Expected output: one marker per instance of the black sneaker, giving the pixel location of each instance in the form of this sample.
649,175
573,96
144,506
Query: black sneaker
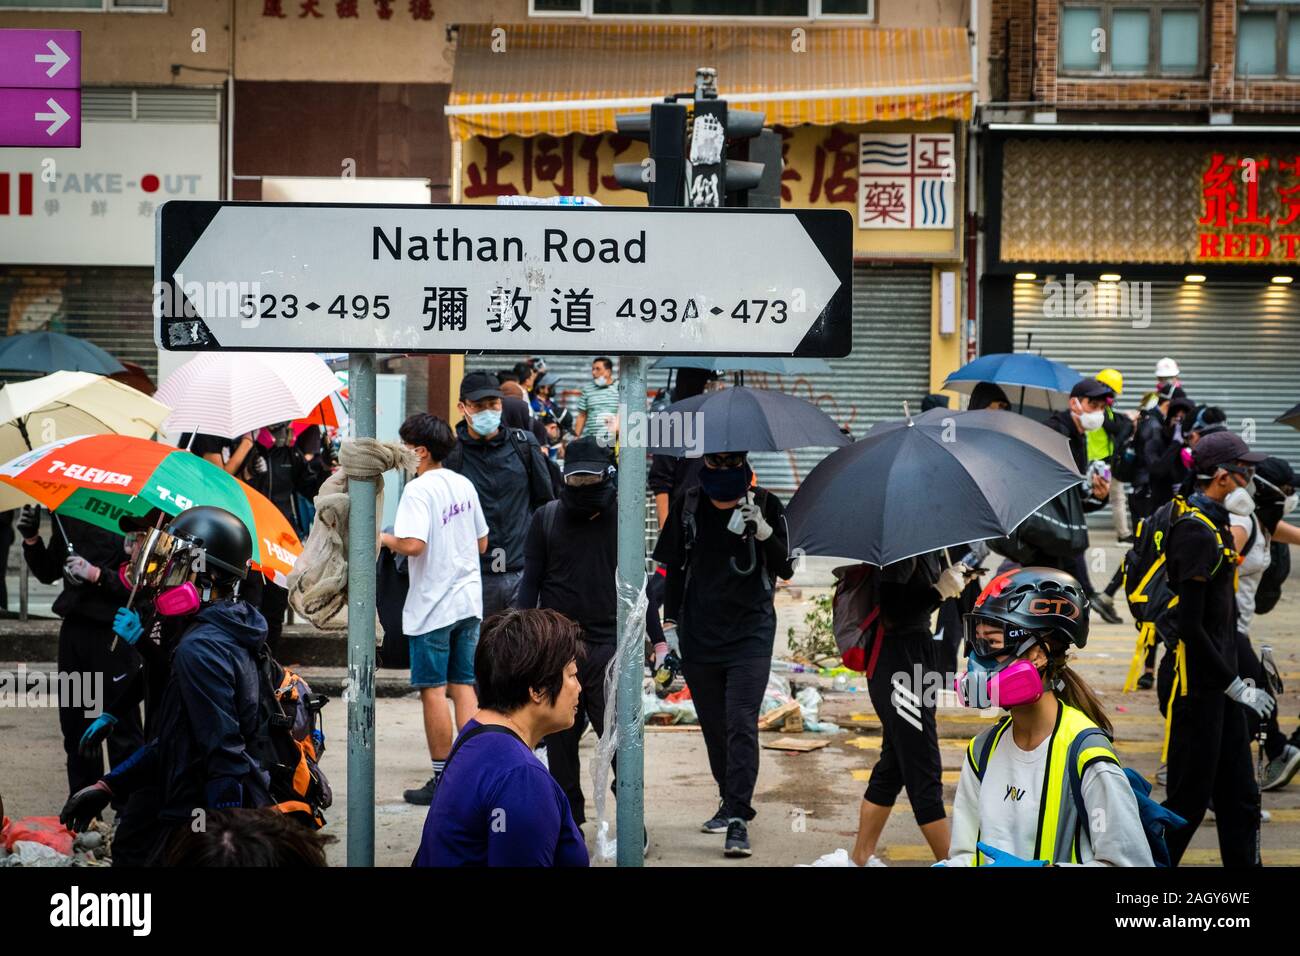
422,796
1104,605
717,823
737,839
1146,681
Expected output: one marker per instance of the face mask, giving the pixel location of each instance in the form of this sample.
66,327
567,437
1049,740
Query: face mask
990,684
588,500
603,381
1289,505
1091,421
178,601
1240,501
485,422
725,484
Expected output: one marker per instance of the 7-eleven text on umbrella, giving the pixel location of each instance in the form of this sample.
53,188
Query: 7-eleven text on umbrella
93,476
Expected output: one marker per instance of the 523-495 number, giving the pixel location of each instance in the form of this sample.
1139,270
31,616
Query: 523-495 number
667,310
358,307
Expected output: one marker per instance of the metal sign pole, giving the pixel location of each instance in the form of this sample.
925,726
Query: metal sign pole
630,759
361,625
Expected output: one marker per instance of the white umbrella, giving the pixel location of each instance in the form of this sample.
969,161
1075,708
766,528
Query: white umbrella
232,393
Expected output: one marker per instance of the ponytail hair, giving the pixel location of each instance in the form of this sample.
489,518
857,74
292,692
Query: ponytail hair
1074,690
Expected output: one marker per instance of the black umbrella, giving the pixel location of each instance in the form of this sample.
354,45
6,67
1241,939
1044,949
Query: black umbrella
741,419
1291,418
47,352
928,482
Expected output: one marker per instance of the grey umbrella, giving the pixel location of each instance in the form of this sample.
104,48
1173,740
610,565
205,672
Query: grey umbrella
777,364
927,482
47,352
741,419
1290,417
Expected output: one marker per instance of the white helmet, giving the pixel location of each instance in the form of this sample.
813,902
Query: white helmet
1166,368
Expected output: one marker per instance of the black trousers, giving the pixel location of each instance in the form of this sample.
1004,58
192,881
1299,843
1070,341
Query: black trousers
1209,759
562,748
909,752
727,700
6,541
139,830
84,649
275,601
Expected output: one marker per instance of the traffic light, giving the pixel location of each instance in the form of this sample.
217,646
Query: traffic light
662,176
732,160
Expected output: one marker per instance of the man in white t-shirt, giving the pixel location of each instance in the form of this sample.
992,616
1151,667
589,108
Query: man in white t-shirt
441,529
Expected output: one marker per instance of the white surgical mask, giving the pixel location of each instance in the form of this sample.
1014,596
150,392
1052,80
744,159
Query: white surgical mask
603,381
1240,502
1091,421
1289,504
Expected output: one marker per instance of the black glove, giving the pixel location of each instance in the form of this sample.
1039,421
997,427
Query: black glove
29,522
85,805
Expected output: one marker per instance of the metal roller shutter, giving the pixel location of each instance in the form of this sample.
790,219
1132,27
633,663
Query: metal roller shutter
890,363
1236,344
111,307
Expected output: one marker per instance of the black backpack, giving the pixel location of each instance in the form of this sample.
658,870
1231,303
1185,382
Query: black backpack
1274,576
292,742
519,441
1126,461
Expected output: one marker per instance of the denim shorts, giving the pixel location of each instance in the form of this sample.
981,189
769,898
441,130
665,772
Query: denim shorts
445,656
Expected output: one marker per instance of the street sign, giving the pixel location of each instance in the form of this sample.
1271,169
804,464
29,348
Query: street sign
40,88
517,279
40,59
40,117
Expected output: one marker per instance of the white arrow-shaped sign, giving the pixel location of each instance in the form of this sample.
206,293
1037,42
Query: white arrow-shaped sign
509,279
57,117
56,58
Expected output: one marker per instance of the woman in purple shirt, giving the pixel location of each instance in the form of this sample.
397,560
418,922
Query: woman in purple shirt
496,803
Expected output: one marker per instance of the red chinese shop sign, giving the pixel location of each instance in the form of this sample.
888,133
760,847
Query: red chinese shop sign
1250,208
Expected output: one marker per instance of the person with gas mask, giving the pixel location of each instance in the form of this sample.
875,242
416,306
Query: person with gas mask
1207,684
1016,802
210,723
510,472
1254,537
724,545
570,560
87,558
1089,401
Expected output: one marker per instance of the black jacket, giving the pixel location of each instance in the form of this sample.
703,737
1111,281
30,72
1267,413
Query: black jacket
1062,423
107,551
572,569
288,472
209,721
512,479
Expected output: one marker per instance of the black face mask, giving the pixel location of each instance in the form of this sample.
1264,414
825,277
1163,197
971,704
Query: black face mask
588,500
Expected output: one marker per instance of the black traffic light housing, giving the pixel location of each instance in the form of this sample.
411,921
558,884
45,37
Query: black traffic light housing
663,177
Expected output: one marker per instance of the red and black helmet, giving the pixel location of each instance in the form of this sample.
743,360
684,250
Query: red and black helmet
1043,601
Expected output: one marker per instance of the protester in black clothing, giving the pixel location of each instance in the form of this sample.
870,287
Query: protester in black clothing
1087,412
901,681
570,560
6,542
1209,746
671,475
282,472
724,546
1162,448
228,454
210,724
88,559
988,395
511,475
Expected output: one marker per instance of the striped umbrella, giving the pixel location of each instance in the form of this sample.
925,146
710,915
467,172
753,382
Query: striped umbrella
102,478
232,393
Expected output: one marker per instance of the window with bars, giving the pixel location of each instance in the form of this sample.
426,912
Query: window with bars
1117,39
1268,39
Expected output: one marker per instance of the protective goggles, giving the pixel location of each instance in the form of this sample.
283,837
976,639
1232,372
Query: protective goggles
1006,640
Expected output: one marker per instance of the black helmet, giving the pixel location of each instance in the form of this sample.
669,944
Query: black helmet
225,540
1043,602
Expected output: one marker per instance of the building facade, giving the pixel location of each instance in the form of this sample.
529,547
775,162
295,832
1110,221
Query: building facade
1140,196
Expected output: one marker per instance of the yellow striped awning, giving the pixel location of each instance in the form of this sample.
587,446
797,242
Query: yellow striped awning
526,79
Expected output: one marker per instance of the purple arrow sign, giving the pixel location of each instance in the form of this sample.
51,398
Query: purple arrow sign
40,118
40,59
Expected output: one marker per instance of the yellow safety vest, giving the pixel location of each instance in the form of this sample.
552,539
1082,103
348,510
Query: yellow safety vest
1060,825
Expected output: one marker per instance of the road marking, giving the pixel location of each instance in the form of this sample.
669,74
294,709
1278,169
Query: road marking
916,853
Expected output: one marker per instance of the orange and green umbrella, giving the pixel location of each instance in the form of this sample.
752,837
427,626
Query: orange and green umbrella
100,479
